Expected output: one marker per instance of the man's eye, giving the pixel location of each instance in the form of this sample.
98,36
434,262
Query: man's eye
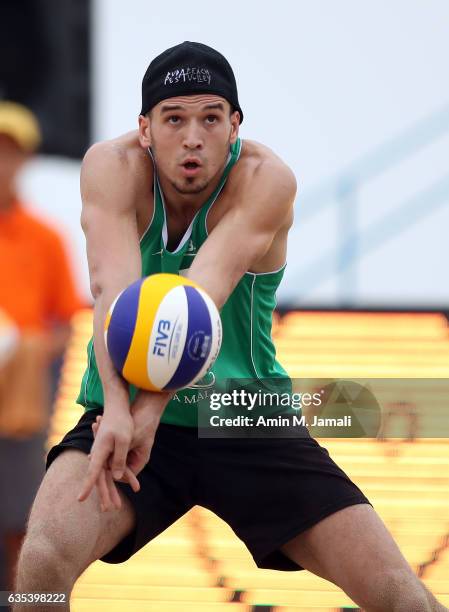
211,119
174,119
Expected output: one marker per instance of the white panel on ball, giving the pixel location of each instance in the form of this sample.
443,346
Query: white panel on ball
168,337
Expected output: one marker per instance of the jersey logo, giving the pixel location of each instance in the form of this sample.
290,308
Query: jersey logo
191,247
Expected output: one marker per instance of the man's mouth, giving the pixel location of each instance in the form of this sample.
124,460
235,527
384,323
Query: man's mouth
190,167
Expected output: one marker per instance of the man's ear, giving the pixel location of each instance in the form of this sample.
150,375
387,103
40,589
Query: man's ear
144,131
235,124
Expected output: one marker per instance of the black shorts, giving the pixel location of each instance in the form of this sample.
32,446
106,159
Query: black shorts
267,490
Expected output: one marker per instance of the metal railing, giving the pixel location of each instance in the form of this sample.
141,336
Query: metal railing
343,189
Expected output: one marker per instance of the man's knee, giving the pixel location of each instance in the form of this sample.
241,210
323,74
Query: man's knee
397,590
44,559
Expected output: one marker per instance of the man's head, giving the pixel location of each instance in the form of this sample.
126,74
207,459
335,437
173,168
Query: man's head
19,138
190,114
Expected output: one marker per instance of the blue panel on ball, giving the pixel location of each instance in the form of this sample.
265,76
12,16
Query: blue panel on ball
198,341
122,324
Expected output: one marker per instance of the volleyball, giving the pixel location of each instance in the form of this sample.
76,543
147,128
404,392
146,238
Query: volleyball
163,332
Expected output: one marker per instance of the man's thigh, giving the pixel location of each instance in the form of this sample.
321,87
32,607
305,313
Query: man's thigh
351,548
79,531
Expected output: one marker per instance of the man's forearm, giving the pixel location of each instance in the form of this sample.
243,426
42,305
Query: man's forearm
113,384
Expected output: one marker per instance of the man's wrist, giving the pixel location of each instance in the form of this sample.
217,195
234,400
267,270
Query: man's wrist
115,387
157,395
153,401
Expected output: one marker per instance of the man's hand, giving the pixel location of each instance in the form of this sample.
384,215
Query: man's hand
146,411
109,452
106,485
143,420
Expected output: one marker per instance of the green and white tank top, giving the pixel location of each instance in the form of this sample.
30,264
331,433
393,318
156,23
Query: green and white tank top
247,350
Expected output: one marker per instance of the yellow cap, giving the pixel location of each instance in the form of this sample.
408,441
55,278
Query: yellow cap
21,125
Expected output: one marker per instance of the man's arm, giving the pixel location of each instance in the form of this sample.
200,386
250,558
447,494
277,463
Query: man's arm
262,213
109,222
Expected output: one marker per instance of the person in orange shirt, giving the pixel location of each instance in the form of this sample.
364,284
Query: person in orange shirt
37,300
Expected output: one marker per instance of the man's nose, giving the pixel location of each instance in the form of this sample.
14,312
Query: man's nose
192,136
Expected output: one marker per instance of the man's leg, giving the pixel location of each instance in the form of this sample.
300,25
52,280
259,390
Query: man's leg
353,549
65,536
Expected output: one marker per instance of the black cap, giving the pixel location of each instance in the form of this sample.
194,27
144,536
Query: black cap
188,69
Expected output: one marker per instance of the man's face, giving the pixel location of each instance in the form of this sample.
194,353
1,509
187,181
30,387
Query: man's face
190,138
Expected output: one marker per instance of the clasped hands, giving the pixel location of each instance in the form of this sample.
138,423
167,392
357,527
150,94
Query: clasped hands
123,441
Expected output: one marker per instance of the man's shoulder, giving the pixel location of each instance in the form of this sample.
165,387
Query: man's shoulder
260,168
256,159
118,157
257,151
261,187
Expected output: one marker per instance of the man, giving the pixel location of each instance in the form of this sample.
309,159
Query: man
37,301
184,193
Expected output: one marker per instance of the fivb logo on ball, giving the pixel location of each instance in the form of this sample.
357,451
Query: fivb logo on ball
168,336
163,332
